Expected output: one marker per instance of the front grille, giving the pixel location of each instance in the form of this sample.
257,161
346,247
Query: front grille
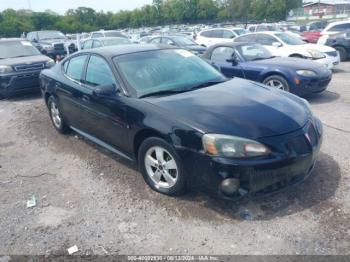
36,66
59,46
333,53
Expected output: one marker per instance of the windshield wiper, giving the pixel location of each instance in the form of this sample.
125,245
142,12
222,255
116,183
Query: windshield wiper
206,84
163,92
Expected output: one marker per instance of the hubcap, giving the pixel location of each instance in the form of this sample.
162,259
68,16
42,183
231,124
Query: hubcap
55,114
276,84
161,167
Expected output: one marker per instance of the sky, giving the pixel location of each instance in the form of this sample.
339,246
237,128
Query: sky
60,6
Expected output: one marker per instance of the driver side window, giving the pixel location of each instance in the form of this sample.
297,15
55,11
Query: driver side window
99,73
221,54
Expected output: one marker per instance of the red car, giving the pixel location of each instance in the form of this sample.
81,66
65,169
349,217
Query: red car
312,36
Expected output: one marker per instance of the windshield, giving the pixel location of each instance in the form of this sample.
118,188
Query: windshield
165,70
184,41
51,35
241,31
12,49
289,40
252,52
116,41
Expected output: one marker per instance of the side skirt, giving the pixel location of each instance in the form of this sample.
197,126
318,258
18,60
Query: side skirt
102,144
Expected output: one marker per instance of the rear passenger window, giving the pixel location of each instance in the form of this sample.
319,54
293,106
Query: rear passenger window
228,34
96,44
265,39
75,67
155,40
99,73
338,28
87,44
246,38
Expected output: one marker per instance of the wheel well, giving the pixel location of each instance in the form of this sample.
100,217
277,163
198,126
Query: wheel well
296,55
274,74
47,95
142,136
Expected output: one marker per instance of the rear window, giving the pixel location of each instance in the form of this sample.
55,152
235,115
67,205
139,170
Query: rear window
10,49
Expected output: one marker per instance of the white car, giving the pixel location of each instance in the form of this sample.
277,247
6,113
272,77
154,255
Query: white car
333,28
282,44
215,36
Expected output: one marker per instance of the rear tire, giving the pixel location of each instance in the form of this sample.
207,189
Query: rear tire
277,81
342,53
161,167
56,116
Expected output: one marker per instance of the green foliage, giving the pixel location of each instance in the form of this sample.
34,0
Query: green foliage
161,12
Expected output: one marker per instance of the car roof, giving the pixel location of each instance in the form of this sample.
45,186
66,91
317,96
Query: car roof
12,39
112,51
108,38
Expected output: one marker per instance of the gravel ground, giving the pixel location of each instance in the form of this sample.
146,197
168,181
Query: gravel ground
91,198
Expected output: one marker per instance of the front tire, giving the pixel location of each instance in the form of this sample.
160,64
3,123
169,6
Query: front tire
56,116
342,53
278,82
161,167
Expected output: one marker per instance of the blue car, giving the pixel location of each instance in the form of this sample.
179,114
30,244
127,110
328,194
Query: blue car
254,62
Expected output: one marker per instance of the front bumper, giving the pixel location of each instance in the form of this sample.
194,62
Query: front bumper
329,61
19,82
293,161
310,85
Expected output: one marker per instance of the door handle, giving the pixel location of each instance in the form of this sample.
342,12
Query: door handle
85,98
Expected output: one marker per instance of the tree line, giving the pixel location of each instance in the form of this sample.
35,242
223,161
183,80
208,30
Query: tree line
160,12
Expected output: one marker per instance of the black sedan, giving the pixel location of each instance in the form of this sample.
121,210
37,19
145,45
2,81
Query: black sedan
340,42
182,121
254,62
20,66
180,41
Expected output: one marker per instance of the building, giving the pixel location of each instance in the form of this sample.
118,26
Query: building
326,7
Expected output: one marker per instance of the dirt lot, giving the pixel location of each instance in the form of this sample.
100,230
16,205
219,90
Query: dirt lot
89,198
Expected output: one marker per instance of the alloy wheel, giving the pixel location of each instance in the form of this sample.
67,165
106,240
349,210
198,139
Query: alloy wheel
161,167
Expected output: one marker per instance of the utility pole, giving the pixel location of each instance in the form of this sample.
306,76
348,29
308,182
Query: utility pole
29,5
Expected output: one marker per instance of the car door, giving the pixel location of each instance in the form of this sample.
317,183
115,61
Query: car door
69,90
218,58
106,115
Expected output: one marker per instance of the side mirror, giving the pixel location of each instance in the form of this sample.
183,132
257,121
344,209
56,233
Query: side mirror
233,59
276,44
105,91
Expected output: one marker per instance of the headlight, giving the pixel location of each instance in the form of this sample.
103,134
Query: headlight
316,54
50,63
232,146
4,69
307,73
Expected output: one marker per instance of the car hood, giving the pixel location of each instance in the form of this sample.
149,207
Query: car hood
24,60
237,107
292,63
320,48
